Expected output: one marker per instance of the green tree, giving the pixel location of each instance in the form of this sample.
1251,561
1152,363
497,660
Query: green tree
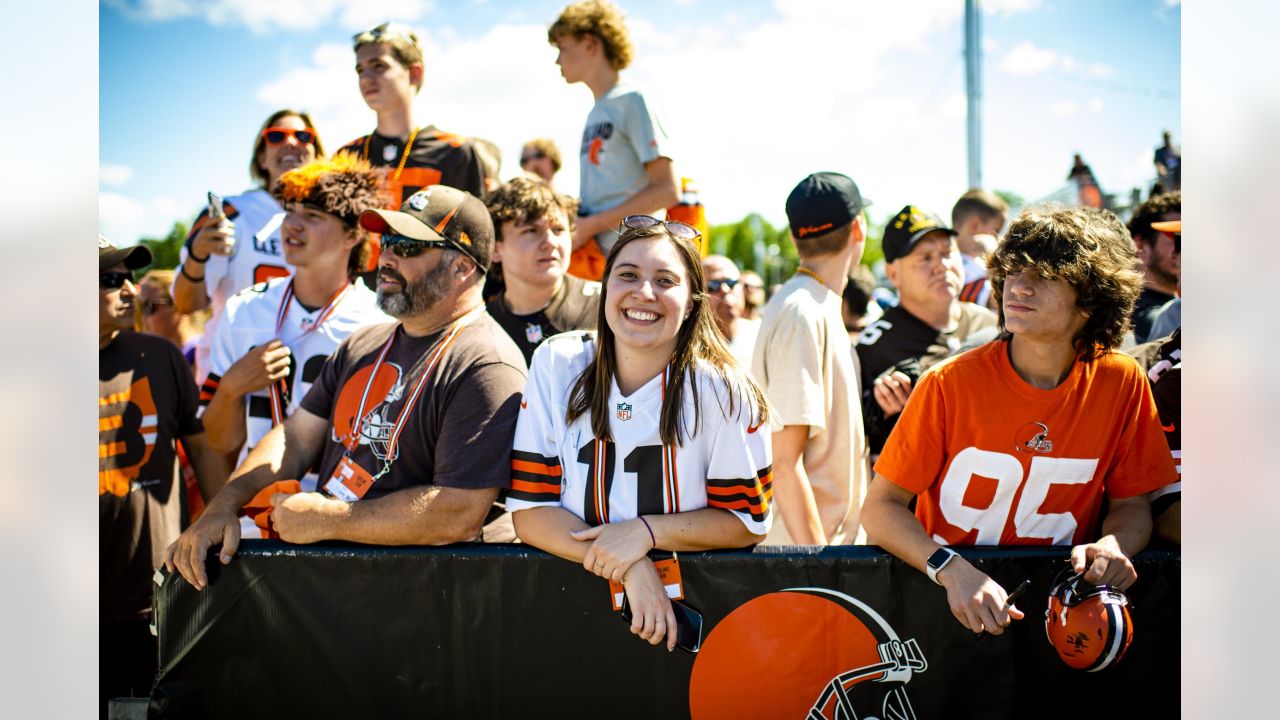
1015,200
165,250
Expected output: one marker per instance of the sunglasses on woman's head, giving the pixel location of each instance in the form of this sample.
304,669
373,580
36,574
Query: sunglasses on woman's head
677,229
151,307
277,135
405,248
114,280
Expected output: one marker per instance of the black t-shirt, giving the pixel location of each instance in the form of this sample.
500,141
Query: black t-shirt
437,158
459,433
1165,375
146,401
573,307
1145,311
902,341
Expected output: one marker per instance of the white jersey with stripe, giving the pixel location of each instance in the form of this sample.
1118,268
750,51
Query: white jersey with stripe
257,256
727,463
250,320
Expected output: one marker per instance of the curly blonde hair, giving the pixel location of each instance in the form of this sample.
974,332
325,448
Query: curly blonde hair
343,186
602,19
1088,249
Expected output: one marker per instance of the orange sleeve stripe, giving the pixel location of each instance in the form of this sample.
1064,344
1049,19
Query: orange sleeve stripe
536,468
535,487
740,505
753,490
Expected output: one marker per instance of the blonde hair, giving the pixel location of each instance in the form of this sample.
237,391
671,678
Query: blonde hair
549,150
400,39
602,19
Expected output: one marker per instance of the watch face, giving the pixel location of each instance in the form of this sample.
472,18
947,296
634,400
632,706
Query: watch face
939,558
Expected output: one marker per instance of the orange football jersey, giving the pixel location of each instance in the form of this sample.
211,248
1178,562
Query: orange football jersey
995,461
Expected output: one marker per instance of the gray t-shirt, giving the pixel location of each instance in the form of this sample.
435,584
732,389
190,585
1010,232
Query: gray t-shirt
622,135
806,363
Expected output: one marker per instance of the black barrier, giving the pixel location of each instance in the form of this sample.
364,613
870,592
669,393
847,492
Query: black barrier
506,631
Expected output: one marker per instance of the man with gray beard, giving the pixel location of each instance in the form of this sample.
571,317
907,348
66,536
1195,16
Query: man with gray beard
410,424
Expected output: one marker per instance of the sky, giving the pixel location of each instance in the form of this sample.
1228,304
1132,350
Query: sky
755,95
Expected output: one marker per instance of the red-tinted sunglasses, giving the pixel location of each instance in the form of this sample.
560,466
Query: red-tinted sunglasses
277,135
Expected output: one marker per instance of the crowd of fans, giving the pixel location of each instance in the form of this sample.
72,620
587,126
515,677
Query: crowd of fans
400,349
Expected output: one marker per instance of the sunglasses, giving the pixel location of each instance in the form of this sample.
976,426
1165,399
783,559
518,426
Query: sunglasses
405,248
727,283
114,280
526,159
151,307
677,229
277,135
384,31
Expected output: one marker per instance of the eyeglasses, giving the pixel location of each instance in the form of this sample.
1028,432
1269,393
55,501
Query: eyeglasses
151,307
277,135
114,280
526,159
383,31
727,283
405,248
677,229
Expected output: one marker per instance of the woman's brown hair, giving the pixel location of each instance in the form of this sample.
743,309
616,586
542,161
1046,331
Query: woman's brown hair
697,340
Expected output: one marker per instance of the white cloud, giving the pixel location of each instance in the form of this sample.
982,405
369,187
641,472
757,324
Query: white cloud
266,17
114,175
1025,59
1095,104
124,220
1064,108
1100,70
1009,7
1172,3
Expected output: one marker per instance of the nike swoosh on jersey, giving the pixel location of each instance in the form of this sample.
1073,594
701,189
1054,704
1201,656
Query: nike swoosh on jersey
752,428
524,405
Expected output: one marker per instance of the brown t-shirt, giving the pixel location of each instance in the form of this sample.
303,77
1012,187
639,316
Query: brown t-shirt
459,432
146,400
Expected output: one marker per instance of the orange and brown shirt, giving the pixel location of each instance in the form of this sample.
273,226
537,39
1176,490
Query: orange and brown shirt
146,401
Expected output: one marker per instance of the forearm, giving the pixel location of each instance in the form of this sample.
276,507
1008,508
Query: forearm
425,515
548,528
224,420
284,453
188,296
705,529
660,193
794,499
210,467
1130,525
893,527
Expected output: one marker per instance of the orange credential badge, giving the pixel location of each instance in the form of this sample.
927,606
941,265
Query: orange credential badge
350,481
668,572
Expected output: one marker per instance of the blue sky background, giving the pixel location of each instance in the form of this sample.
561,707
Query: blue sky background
755,95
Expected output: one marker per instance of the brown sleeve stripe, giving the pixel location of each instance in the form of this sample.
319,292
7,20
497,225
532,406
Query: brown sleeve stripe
208,388
535,468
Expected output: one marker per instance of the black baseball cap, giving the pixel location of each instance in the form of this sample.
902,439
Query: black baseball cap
905,230
439,212
823,201
138,256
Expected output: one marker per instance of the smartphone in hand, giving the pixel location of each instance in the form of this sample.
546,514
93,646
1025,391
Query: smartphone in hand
688,624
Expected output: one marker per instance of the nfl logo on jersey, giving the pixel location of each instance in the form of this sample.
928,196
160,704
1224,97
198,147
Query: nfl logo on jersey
624,411
533,333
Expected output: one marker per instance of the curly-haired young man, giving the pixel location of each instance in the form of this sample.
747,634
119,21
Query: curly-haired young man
276,335
1021,441
626,169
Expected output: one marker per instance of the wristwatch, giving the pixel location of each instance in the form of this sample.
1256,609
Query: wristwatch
937,561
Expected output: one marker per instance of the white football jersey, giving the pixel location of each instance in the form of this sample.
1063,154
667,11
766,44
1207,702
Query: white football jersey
726,464
250,320
257,256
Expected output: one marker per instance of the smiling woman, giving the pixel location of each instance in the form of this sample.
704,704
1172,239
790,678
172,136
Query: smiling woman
646,436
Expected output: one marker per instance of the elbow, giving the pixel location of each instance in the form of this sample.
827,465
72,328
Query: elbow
670,193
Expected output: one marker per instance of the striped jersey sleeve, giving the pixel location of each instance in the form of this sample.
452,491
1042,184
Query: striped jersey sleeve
535,456
740,468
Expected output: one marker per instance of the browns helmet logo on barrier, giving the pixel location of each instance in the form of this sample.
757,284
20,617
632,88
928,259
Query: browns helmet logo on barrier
834,658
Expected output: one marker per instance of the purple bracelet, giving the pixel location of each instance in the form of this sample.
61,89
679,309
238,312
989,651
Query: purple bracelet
646,527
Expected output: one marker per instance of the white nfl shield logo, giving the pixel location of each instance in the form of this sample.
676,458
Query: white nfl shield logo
624,411
419,199
389,152
533,332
